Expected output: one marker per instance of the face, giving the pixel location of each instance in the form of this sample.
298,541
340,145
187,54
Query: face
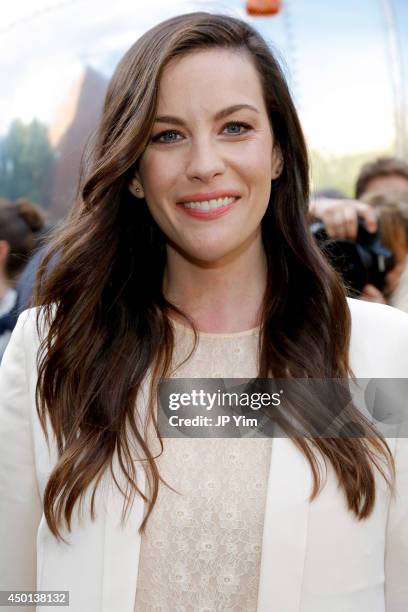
385,184
206,173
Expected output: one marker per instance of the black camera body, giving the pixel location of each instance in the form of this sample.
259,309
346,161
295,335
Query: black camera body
361,261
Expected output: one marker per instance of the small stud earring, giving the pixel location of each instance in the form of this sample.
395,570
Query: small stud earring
136,189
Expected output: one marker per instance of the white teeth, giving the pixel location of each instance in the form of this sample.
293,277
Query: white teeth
209,204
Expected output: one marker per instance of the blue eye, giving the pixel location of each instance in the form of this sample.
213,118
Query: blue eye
236,127
233,128
168,136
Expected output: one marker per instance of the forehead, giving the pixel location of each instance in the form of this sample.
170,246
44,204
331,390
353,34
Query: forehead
387,182
209,79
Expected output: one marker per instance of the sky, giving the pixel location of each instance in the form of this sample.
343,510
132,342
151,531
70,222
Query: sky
335,55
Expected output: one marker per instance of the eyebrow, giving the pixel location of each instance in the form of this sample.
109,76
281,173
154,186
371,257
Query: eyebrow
220,115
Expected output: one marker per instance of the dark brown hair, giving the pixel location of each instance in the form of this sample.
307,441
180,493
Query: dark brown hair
383,166
109,325
21,223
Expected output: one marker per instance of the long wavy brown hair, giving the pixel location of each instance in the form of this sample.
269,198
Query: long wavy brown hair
108,323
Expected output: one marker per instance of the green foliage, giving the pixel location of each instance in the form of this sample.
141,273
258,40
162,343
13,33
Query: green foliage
340,172
26,162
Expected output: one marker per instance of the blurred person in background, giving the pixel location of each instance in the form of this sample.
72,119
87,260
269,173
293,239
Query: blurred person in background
383,175
21,223
27,278
392,212
339,214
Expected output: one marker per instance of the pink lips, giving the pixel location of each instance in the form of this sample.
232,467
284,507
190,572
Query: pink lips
214,195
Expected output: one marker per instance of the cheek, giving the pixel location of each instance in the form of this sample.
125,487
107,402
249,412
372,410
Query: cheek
259,179
158,175
255,170
256,162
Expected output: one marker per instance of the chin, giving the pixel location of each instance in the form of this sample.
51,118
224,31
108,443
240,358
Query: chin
208,251
212,256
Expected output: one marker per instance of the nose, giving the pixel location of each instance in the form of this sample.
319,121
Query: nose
205,161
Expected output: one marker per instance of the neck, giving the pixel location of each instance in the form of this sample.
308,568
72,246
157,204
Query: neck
223,296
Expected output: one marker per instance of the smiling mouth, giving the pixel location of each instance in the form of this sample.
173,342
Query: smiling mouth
208,205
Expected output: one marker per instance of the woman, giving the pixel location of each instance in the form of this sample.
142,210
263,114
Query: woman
393,216
191,233
392,212
20,224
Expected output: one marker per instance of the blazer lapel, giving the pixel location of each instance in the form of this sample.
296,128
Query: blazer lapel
285,528
121,551
122,538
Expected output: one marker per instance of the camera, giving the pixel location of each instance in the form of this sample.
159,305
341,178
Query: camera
361,261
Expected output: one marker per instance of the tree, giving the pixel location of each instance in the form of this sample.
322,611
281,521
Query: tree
340,172
26,162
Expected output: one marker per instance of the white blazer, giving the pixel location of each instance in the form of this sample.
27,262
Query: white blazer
316,557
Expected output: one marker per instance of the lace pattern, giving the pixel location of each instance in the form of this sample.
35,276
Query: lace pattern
201,549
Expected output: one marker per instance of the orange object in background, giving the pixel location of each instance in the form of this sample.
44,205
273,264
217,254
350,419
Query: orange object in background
263,7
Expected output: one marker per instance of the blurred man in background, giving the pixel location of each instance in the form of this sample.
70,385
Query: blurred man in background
381,177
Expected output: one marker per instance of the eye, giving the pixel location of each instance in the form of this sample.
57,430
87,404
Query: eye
166,137
236,128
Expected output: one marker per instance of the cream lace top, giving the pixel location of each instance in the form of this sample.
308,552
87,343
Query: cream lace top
202,547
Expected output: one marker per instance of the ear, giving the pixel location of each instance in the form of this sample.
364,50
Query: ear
135,186
277,162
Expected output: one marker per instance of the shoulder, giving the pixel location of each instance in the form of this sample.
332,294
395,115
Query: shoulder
32,322
19,365
369,314
28,333
379,340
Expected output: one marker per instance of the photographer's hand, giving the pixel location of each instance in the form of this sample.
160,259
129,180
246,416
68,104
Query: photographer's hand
340,216
372,294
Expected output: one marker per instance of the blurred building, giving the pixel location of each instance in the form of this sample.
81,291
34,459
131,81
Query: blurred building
75,121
